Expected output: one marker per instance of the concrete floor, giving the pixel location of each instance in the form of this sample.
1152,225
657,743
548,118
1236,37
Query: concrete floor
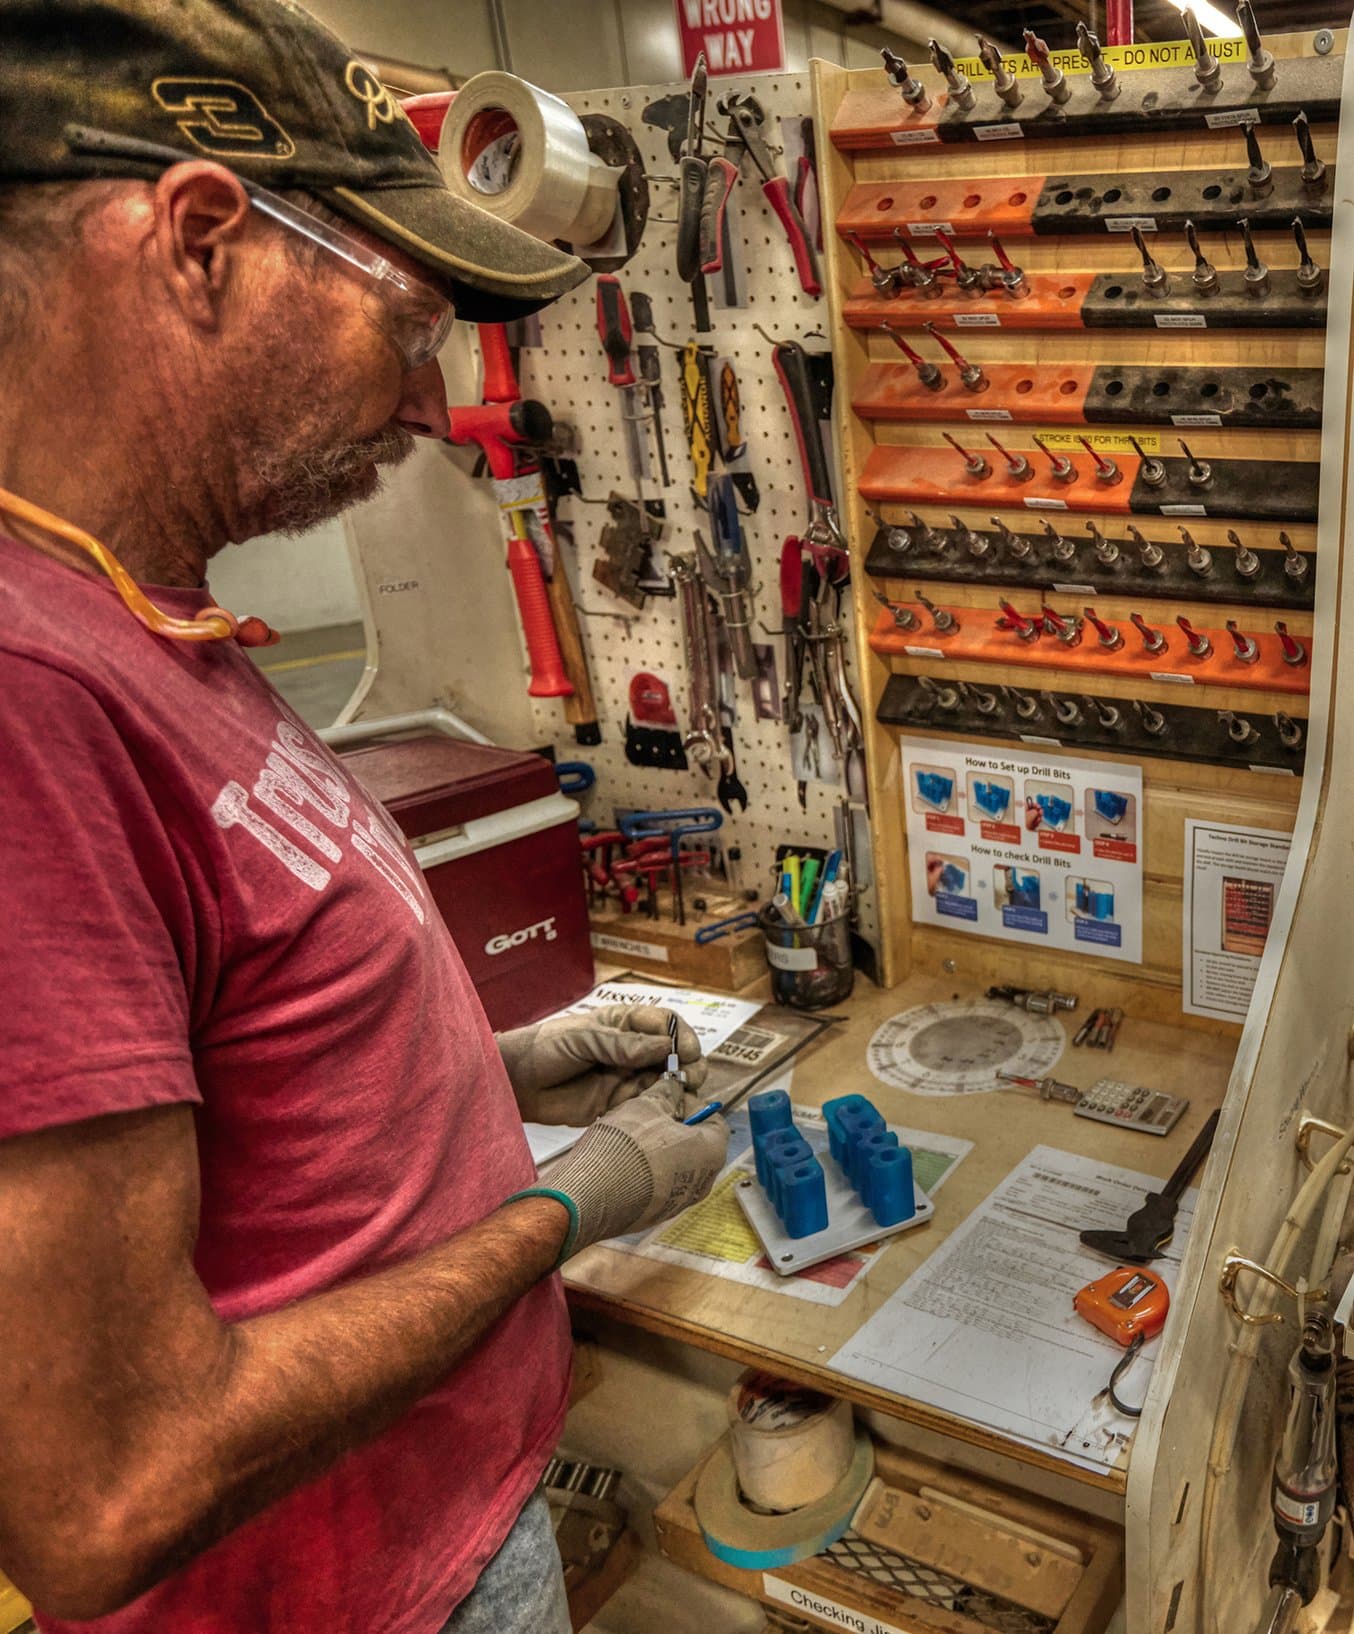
315,670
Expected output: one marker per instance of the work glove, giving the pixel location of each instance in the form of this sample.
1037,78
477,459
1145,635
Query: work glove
571,1069
637,1165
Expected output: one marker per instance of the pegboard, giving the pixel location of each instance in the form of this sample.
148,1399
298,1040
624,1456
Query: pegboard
568,373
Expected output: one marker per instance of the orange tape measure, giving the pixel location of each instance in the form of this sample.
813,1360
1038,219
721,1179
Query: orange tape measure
1129,1304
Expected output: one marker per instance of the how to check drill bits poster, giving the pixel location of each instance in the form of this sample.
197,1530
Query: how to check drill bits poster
1025,847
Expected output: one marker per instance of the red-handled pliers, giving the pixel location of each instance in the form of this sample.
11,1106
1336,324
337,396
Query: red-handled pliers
746,118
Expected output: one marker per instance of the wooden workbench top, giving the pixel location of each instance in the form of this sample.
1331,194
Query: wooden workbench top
796,1338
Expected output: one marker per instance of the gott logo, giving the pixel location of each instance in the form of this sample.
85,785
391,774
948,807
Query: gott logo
528,933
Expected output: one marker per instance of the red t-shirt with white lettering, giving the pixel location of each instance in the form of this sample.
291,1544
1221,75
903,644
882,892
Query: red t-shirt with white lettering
201,904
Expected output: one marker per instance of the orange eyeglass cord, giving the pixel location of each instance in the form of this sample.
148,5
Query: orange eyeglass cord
211,624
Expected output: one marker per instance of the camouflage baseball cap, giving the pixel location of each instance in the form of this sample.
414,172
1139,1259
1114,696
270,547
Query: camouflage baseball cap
265,89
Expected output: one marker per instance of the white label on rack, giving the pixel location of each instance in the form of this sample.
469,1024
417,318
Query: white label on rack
1196,419
1075,589
1274,771
922,228
999,133
988,414
1237,116
1045,504
1048,743
1171,677
826,1611
625,944
1126,224
977,320
1184,510
792,958
1180,320
923,652
910,138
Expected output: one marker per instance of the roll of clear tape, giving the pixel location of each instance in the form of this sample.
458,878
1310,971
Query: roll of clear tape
791,1446
523,155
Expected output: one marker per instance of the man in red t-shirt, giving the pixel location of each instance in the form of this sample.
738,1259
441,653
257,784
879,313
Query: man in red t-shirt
282,1351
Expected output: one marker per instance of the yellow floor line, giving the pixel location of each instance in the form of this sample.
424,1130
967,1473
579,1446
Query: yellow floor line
307,663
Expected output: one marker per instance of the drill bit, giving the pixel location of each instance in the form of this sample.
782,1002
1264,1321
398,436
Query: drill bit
1246,562
1153,721
975,465
1151,470
1239,729
1104,711
1294,562
1006,85
1260,176
1198,643
900,75
1025,628
1063,468
1313,172
915,273
1103,77
1153,640
1262,62
974,543
1310,276
1197,559
1012,278
970,375
961,91
1205,274
924,533
885,280
1150,556
1067,630
928,373
1015,545
1109,637
1207,68
943,621
1155,279
1106,469
965,276
1106,551
1200,472
1054,80
1256,275
1244,649
903,617
1062,550
1290,733
1293,650
1018,468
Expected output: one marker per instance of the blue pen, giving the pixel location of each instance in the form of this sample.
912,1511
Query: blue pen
829,873
704,1112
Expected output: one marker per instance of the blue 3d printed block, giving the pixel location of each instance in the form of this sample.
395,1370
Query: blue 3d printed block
787,1166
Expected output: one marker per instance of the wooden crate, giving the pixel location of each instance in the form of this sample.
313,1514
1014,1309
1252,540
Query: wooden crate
734,964
1055,1561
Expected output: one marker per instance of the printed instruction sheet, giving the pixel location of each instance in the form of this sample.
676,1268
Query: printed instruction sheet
985,1328
713,1017
714,1236
1025,847
1232,879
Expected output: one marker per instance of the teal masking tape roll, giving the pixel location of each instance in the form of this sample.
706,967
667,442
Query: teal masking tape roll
740,1536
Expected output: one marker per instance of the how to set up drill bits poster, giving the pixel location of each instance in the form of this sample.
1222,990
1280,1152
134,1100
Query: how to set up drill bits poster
1024,847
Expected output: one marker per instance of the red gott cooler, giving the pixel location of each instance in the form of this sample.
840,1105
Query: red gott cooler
498,846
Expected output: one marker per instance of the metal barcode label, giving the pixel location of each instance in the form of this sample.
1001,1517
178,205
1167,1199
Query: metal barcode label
746,1045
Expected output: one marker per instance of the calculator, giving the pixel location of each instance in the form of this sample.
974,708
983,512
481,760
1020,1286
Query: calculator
1131,1106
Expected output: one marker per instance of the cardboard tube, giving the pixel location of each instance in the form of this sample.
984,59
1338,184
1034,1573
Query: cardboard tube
791,1446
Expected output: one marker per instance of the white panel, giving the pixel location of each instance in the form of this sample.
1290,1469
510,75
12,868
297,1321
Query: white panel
431,33
557,54
296,584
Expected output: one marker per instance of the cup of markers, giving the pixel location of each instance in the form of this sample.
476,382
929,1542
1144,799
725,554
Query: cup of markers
807,929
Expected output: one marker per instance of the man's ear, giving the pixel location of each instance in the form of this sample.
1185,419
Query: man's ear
200,214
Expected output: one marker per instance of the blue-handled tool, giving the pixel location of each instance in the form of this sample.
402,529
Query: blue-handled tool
704,1112
575,776
725,927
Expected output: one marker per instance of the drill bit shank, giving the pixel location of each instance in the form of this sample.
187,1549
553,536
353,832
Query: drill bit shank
1103,77
1156,280
1205,274
1005,84
1313,172
1207,68
1054,80
1261,61
912,90
961,91
1260,176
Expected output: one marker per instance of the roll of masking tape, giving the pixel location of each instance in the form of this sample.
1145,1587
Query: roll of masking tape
791,1445
742,1537
523,155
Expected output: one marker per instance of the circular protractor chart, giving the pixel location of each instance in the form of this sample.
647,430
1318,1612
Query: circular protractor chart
959,1048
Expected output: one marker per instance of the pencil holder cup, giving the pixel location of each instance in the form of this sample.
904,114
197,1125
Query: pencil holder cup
810,964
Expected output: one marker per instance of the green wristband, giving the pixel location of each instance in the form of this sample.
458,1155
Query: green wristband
558,1197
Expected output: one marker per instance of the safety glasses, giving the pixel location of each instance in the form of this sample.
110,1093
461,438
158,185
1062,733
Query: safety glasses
415,317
